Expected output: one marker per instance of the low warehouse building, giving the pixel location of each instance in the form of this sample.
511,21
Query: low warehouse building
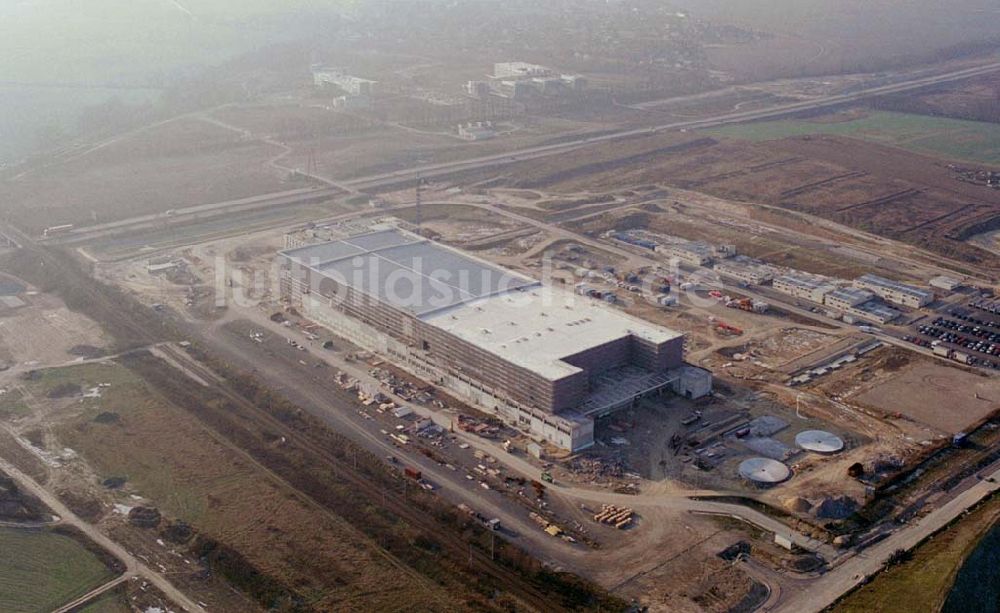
894,291
540,357
949,284
802,285
846,297
746,270
692,253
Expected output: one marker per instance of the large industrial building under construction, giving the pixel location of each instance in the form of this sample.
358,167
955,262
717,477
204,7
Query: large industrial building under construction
544,359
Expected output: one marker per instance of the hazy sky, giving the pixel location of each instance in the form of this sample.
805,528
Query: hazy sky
142,44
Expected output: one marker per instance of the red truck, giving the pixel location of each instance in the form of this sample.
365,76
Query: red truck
412,473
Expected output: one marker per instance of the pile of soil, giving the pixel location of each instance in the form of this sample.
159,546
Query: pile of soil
114,483
178,532
144,517
836,508
16,505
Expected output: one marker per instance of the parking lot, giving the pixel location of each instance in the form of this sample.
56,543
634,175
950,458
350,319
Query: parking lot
968,334
427,454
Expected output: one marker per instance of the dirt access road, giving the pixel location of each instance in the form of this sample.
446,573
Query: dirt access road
827,589
133,567
299,381
374,182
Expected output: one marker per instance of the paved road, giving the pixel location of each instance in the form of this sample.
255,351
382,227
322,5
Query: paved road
825,590
93,594
433,170
430,171
132,565
680,501
202,211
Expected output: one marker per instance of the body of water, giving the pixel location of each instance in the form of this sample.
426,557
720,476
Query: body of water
977,585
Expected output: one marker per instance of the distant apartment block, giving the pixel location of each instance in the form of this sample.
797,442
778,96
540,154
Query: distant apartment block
520,70
521,79
480,130
477,89
352,85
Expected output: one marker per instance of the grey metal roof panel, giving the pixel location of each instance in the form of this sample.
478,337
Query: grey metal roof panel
473,277
381,240
313,255
407,271
394,284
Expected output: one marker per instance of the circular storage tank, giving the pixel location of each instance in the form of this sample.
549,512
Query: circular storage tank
764,471
819,441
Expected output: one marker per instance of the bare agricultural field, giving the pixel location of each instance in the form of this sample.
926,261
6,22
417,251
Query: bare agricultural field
45,331
173,460
292,122
391,147
943,397
180,163
817,37
971,99
876,187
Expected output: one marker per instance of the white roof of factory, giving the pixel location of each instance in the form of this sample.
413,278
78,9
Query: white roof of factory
806,280
851,294
946,282
890,284
512,316
538,327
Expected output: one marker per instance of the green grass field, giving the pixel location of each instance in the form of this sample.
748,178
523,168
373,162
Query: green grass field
923,582
111,602
950,138
41,570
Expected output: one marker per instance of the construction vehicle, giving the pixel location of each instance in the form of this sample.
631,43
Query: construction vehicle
547,477
746,304
724,328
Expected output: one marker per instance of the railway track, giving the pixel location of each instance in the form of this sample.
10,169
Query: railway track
342,468
110,313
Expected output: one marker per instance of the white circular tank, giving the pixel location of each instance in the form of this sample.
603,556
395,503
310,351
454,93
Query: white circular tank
764,471
819,441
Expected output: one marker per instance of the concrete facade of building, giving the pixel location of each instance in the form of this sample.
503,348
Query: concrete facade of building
540,357
693,253
477,89
844,298
351,85
477,131
894,291
520,70
874,311
746,270
802,285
